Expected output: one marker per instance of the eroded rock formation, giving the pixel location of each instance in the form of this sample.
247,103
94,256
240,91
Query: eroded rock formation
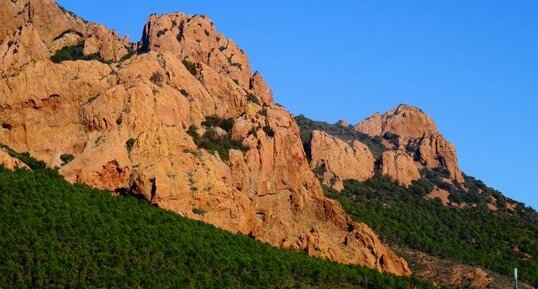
411,130
125,122
335,161
399,166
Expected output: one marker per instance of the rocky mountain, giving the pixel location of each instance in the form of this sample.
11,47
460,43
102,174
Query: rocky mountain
178,119
397,173
407,141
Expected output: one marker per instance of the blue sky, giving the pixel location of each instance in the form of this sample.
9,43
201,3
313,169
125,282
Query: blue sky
471,65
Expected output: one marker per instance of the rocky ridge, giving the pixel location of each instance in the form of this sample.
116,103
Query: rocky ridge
410,143
415,133
121,122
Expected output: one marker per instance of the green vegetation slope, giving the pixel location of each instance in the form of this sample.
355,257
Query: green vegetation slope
58,235
499,241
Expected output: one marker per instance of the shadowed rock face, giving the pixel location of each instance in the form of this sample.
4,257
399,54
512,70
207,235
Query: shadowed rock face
417,135
126,125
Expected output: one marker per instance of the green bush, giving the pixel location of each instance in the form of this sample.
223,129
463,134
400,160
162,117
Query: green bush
73,53
211,142
191,67
129,144
157,78
59,235
26,158
66,158
216,121
253,98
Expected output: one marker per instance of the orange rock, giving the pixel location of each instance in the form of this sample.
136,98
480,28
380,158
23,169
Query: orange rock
126,125
334,160
418,135
399,166
10,162
35,29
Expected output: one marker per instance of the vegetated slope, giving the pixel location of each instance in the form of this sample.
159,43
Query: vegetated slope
500,240
58,235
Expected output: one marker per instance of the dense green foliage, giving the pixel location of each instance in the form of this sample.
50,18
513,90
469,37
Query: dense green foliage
213,142
345,133
476,236
74,52
58,235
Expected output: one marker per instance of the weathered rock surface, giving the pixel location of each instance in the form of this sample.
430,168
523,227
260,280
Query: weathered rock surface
10,162
417,134
335,161
399,166
34,30
440,194
126,125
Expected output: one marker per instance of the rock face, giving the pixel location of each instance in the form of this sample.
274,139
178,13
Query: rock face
33,30
10,162
334,160
126,125
414,132
399,166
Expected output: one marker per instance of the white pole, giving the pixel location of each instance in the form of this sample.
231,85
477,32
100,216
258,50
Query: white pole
515,276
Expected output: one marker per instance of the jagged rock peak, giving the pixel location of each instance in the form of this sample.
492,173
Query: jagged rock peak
415,133
34,30
404,120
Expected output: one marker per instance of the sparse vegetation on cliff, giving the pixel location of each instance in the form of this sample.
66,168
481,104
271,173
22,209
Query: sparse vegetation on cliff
191,67
345,133
212,141
58,235
73,53
253,98
476,236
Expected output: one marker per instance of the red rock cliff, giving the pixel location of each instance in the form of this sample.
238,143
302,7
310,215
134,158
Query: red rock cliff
125,121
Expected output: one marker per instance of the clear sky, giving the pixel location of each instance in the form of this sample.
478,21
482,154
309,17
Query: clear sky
471,65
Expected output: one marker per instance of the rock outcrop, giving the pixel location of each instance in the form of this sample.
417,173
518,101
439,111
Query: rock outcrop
439,194
334,161
9,162
399,166
411,130
126,124
34,30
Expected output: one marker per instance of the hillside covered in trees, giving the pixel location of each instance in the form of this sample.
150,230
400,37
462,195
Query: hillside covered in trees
58,235
499,241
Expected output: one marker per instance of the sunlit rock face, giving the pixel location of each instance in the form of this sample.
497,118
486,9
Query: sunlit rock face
417,136
127,122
